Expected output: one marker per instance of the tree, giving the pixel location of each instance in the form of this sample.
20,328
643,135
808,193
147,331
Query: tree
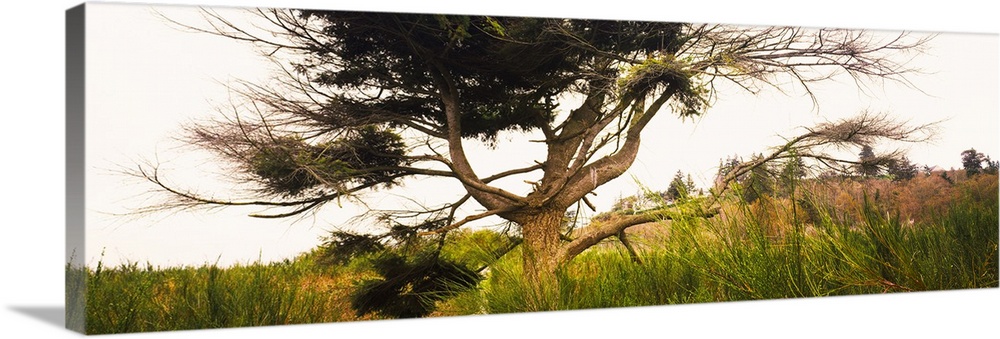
867,163
726,167
370,100
792,171
759,182
680,188
902,169
991,166
972,161
690,189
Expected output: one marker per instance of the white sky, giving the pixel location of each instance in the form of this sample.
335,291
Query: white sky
146,78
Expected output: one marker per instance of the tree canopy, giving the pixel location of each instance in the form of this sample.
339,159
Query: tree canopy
368,100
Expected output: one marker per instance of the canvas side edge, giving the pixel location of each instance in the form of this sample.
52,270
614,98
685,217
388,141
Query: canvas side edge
75,270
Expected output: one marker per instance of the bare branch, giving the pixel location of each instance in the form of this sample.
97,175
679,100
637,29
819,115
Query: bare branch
865,129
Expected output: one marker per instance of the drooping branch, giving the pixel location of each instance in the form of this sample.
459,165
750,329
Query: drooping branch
182,199
865,129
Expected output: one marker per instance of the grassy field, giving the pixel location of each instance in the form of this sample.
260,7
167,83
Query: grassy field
767,250
841,238
131,298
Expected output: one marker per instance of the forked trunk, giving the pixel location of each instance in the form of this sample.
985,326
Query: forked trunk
541,247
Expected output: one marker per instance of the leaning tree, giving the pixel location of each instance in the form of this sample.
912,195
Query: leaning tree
367,101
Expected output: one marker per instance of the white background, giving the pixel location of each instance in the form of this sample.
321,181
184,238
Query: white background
33,172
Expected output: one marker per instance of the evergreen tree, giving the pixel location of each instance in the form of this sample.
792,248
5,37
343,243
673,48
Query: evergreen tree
792,170
972,161
759,182
867,162
902,169
678,189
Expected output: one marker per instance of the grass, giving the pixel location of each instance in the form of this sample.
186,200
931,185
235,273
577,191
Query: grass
750,255
130,298
812,244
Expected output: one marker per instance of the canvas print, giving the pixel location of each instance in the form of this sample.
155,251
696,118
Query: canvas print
270,166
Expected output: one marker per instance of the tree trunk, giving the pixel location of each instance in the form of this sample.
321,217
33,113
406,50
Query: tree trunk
541,248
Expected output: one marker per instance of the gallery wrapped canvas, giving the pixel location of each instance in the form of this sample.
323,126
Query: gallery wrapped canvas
239,167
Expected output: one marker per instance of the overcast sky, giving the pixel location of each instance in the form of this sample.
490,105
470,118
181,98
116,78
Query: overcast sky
145,79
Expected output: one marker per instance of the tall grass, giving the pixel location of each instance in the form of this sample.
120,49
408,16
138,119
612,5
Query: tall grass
777,249
130,298
817,242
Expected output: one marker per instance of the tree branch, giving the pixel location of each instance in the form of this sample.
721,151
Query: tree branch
599,230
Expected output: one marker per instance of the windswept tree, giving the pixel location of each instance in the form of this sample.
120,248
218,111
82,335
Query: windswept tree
370,100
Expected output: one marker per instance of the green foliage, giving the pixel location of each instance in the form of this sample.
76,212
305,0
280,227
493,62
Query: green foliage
792,171
479,248
409,286
412,274
509,70
973,162
340,247
278,166
680,187
867,163
759,182
762,180
367,156
902,169
667,72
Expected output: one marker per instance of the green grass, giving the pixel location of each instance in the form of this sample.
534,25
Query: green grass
751,252
130,298
743,257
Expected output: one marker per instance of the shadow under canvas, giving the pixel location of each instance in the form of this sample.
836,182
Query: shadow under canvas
53,315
